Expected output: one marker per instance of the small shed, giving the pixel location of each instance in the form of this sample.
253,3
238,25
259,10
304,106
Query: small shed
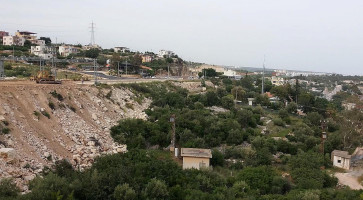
341,159
196,158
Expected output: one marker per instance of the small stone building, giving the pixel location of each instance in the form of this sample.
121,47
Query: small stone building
196,158
341,159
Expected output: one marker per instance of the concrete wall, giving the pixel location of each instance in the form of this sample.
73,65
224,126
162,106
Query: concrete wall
192,162
341,162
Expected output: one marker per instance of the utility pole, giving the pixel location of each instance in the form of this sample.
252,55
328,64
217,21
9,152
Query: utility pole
126,67
173,138
118,69
263,76
13,55
323,137
94,68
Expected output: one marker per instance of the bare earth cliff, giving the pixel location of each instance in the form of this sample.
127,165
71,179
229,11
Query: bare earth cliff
77,128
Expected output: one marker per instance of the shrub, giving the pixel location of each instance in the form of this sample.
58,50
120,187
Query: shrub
109,94
51,105
278,122
37,114
6,123
57,95
8,189
129,106
72,108
45,113
5,130
124,192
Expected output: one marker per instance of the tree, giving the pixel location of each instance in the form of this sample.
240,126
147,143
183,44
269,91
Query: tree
291,107
27,44
217,158
156,190
238,93
46,39
281,92
227,102
305,170
92,53
101,60
136,60
124,192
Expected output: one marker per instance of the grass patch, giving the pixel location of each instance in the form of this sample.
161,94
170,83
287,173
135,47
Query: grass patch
69,75
281,133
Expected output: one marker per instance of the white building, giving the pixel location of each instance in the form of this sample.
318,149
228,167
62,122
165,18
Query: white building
229,73
66,50
43,51
341,159
165,53
121,49
13,40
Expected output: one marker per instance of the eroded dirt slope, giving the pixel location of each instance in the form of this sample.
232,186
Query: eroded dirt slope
78,127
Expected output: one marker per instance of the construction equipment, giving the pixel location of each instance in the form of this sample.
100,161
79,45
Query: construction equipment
43,77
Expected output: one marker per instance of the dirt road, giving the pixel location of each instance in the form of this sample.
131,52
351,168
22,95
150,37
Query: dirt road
350,180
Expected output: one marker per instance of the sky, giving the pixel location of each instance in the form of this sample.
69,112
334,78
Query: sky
311,35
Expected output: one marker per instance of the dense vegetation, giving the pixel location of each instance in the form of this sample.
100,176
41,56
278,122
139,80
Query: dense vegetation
260,152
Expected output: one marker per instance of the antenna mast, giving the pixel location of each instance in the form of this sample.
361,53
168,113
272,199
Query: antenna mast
92,33
263,75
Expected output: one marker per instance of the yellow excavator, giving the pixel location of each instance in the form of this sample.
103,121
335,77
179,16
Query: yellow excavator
44,77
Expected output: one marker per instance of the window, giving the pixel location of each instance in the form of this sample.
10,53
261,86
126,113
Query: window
202,164
339,161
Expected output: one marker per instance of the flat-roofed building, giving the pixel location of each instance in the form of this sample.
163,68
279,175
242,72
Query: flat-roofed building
121,49
13,40
196,158
3,33
341,159
66,50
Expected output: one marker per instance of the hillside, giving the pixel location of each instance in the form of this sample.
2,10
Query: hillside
77,128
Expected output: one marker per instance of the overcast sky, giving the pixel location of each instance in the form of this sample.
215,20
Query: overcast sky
314,35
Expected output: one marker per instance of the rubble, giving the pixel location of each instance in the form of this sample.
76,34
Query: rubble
78,136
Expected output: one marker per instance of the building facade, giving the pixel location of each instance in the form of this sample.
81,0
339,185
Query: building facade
147,58
275,80
66,50
196,158
3,33
165,53
341,159
121,49
13,40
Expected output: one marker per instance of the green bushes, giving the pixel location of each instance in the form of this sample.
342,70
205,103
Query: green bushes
57,95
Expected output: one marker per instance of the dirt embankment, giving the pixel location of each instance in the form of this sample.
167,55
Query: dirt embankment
77,128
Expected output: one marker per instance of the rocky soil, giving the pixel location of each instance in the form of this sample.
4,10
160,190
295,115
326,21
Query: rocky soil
77,128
